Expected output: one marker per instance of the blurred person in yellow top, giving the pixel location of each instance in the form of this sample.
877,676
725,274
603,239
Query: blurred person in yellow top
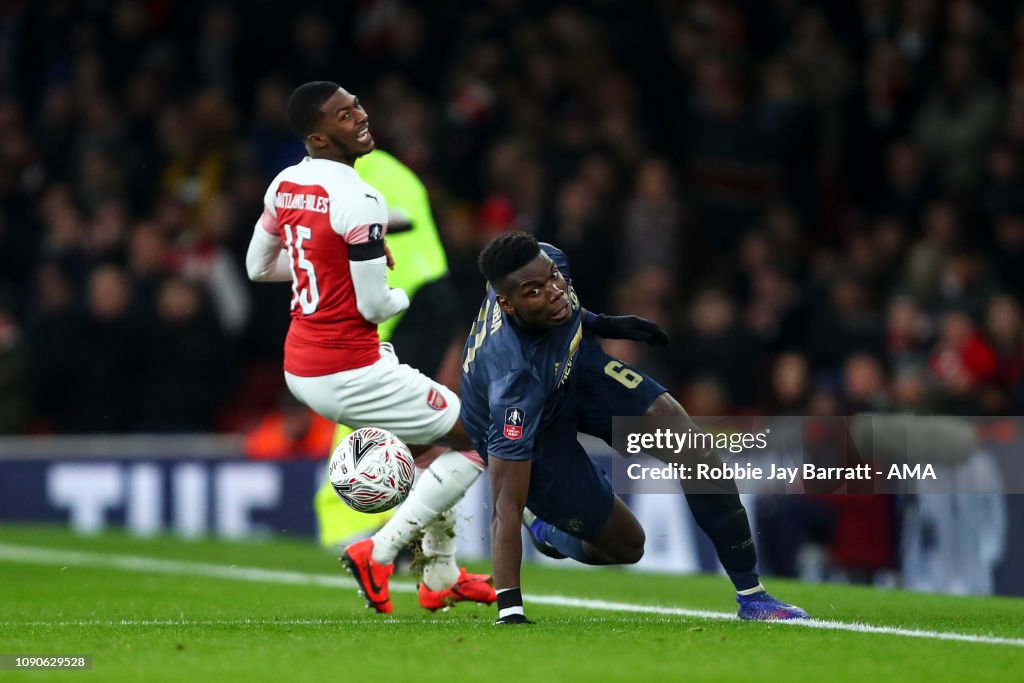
422,336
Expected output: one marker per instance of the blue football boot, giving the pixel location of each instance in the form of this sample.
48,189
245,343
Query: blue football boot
761,606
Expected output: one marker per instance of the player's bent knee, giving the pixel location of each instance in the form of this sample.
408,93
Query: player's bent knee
623,538
630,553
630,548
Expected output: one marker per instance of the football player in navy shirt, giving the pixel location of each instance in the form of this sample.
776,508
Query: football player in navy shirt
532,377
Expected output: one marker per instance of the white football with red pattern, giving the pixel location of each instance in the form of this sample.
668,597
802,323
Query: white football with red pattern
371,470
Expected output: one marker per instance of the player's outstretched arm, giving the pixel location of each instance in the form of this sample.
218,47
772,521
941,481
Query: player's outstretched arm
625,327
368,263
510,481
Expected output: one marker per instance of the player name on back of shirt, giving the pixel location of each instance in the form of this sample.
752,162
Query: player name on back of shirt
307,202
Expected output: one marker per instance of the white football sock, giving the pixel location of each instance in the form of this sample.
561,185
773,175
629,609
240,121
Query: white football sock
439,568
438,488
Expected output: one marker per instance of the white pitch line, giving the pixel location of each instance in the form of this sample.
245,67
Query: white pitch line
134,563
826,624
48,556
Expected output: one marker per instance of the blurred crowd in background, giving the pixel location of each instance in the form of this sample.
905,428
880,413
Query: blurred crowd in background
823,201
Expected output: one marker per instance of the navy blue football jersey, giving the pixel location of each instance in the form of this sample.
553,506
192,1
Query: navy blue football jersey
515,384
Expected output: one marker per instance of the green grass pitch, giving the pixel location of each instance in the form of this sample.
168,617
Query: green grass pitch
199,611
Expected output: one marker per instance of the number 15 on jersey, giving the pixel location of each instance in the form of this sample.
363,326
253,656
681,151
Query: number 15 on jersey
304,289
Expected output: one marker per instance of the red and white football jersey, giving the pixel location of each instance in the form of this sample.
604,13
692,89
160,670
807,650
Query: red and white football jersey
318,208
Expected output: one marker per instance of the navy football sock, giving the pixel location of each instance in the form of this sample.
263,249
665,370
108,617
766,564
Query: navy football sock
744,581
723,518
565,543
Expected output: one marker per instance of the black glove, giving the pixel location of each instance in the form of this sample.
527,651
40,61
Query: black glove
629,327
513,619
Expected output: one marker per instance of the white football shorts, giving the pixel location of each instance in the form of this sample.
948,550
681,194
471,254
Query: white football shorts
387,394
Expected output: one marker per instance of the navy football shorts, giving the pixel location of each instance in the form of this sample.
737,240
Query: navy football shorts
606,387
567,488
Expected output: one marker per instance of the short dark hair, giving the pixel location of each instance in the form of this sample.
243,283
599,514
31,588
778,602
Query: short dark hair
304,105
506,254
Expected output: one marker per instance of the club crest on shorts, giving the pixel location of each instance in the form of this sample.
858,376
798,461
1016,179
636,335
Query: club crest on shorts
514,423
435,399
